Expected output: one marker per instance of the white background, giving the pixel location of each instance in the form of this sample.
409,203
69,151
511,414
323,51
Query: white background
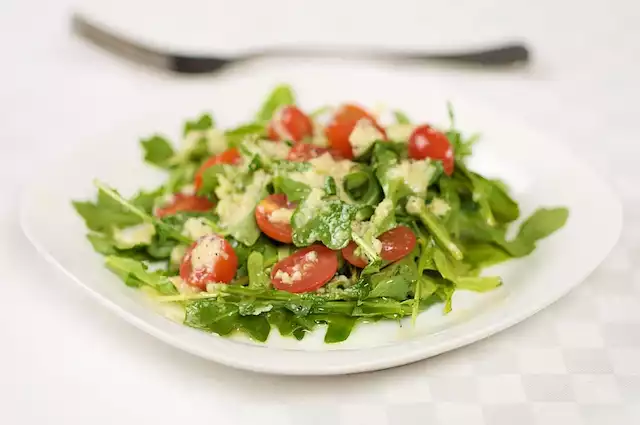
65,360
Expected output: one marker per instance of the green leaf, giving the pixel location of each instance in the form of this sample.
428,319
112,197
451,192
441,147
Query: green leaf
255,267
327,221
330,186
204,122
415,206
288,324
462,147
339,328
146,200
293,189
444,266
157,151
282,95
102,243
362,186
445,292
212,316
263,245
542,223
401,117
395,281
134,273
257,327
504,208
484,254
239,134
478,283
105,215
237,209
402,176
210,179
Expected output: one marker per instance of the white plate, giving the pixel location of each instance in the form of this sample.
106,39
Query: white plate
540,172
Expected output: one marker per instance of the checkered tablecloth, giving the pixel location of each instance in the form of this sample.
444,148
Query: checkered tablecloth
575,363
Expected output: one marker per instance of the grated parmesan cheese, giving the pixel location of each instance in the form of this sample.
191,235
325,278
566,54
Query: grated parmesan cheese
195,228
206,253
363,135
281,215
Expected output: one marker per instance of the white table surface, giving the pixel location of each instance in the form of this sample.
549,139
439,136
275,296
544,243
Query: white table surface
65,360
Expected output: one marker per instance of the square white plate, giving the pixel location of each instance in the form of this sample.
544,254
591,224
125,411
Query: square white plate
539,170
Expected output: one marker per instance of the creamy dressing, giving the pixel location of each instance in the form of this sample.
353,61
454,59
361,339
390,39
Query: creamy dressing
128,237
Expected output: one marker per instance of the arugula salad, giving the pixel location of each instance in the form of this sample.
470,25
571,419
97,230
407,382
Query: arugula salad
296,220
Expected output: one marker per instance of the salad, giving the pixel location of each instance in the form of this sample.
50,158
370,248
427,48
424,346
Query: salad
298,219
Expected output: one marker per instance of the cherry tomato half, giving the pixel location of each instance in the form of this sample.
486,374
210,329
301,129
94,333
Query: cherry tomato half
396,243
230,156
426,142
290,123
210,259
341,126
182,202
273,215
305,270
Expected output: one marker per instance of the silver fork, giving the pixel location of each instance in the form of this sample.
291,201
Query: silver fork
508,54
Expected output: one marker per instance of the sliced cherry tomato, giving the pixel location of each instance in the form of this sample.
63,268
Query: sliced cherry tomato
273,215
210,259
341,126
305,270
290,123
301,152
182,202
396,243
427,142
230,156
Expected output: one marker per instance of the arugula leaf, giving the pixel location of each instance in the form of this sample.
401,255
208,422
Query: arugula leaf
402,176
416,207
239,134
236,208
111,200
364,234
105,215
542,223
102,243
478,283
462,148
339,327
288,324
212,316
134,273
484,254
361,186
451,271
157,151
401,117
255,267
394,281
257,327
504,208
146,200
211,178
293,189
445,292
282,95
263,245
327,221
204,122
